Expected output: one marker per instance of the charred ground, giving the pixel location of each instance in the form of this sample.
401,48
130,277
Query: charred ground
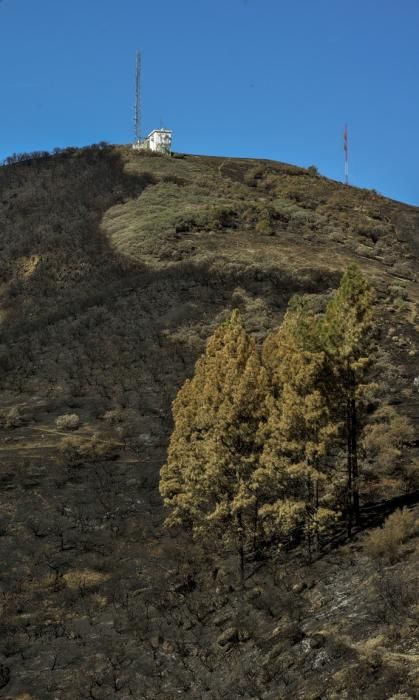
114,269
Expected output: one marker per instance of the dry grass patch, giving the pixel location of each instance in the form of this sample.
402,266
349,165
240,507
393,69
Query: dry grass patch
386,543
68,421
84,578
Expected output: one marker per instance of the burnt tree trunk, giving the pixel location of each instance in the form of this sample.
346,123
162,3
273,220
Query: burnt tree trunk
352,452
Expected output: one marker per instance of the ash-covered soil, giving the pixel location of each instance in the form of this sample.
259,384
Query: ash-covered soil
115,267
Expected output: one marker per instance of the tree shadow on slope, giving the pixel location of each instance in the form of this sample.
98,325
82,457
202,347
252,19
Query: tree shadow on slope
56,261
79,318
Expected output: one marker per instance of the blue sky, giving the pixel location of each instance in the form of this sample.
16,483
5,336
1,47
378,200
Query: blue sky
256,78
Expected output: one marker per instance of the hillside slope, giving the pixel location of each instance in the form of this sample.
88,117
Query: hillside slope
115,266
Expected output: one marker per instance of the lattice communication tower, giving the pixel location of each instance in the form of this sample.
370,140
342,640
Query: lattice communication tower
137,107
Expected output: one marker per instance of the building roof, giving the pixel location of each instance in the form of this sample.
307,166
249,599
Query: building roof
160,131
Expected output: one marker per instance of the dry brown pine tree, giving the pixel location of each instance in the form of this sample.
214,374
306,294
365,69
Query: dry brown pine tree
214,449
295,477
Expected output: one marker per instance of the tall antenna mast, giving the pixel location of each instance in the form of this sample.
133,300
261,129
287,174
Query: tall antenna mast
346,151
137,107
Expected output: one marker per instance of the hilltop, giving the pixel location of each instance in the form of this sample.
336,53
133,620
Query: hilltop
115,267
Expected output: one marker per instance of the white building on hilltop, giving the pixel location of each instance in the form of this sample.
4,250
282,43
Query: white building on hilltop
159,140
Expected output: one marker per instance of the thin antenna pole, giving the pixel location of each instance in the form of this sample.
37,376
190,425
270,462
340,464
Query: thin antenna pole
346,151
137,107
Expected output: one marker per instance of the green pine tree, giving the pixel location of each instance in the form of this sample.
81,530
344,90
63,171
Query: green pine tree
347,335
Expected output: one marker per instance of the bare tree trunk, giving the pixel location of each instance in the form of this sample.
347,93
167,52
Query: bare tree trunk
355,472
352,450
349,465
255,526
241,554
309,545
316,502
309,513
241,548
